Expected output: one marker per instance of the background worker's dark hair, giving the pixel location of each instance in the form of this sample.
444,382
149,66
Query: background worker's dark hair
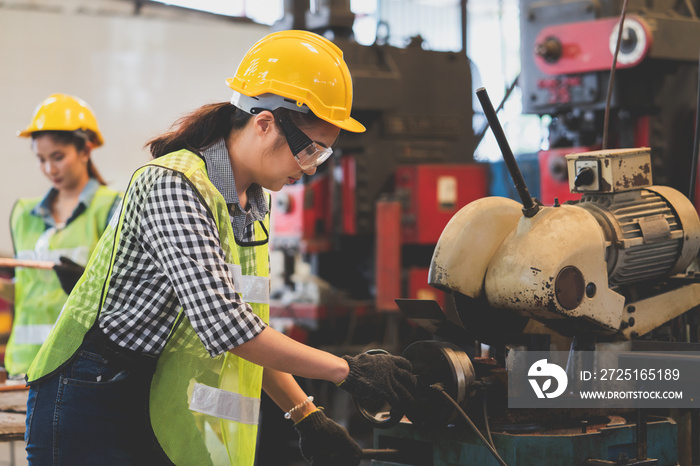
77,139
209,123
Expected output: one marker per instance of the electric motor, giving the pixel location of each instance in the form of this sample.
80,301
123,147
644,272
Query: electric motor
650,233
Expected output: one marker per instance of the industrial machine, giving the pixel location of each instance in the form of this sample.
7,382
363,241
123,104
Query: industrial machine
606,263
605,259
623,231
606,270
566,57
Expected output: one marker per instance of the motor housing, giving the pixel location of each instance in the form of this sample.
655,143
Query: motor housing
650,233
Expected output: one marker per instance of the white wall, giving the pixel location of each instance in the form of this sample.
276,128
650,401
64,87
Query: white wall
139,74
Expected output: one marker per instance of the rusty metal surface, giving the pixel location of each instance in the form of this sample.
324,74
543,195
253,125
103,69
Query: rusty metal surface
569,287
618,170
650,313
523,271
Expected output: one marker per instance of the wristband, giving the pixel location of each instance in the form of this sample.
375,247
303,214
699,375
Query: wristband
288,414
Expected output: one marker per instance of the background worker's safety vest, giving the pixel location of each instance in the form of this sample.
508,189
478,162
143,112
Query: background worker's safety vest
38,293
203,410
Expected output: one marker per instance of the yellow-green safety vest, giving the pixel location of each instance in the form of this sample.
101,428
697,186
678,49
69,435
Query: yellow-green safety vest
38,293
203,410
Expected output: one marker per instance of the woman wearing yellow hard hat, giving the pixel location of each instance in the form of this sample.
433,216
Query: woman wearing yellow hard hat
162,349
63,227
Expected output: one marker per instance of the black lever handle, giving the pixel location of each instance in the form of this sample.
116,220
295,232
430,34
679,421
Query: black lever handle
529,206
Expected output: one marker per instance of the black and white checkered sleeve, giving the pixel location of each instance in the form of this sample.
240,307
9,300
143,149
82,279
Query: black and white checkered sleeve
181,238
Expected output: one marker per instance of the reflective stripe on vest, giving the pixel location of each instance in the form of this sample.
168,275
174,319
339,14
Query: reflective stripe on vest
253,289
224,404
31,334
79,255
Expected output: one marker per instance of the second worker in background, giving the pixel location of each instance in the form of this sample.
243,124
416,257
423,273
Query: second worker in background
63,227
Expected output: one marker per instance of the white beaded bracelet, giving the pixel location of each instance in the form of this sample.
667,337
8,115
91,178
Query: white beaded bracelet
288,414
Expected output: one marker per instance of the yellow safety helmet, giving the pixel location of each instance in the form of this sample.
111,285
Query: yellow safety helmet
62,112
303,67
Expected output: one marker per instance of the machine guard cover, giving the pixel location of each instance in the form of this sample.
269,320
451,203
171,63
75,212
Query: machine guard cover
468,243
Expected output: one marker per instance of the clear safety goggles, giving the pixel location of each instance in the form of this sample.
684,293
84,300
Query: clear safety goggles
308,153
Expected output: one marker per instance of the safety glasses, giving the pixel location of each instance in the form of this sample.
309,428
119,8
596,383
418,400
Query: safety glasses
308,153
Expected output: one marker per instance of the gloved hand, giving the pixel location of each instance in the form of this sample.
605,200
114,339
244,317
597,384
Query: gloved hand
379,378
325,443
68,273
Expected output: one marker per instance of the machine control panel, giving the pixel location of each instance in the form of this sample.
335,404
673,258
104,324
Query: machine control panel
587,175
609,171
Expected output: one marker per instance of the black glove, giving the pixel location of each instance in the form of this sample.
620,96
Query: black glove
325,443
68,273
379,378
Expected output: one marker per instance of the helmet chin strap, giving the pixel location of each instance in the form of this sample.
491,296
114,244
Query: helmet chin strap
258,103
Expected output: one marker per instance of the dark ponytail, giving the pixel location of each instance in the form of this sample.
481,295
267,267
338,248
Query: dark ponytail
92,171
199,129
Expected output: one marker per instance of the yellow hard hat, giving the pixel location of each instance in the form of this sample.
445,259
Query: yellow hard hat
301,66
62,112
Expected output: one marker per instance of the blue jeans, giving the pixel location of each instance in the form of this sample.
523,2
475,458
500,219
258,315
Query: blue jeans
92,412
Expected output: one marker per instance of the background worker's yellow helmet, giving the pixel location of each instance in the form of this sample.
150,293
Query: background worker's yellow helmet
306,70
62,112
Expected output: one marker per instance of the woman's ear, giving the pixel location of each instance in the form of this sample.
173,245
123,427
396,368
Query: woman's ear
264,123
87,150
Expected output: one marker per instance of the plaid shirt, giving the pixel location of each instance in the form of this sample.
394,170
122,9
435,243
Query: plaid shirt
169,256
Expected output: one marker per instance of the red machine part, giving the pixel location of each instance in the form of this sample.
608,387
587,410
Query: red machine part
302,215
288,213
388,255
432,194
642,132
554,182
418,287
587,46
348,190
560,88
5,319
554,178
